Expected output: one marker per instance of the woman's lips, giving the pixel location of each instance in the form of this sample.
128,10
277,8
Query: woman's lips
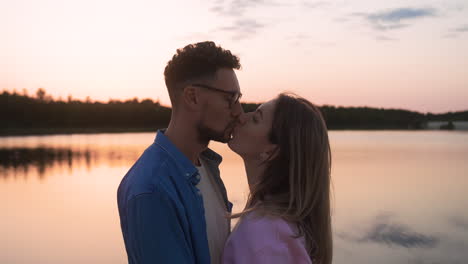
233,133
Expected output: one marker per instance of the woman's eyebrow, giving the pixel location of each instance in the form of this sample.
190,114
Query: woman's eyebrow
260,111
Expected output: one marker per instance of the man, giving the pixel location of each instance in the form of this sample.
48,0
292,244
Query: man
172,202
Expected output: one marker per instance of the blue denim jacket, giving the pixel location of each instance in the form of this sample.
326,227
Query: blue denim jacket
161,210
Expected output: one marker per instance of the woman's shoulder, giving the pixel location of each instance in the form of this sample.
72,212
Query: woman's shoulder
257,222
262,239
261,230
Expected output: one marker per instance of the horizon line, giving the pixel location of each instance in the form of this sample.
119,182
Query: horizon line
84,100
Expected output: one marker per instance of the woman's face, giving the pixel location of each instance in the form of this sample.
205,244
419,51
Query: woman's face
250,140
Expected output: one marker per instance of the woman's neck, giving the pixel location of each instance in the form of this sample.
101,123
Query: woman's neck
254,170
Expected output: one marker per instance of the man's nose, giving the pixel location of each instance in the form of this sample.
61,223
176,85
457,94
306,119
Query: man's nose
239,114
237,110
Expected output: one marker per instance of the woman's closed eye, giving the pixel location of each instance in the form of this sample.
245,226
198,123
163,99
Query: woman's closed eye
255,118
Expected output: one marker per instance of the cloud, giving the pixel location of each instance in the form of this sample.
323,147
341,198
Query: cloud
306,40
455,32
384,38
243,28
298,39
241,25
396,15
394,18
462,28
393,234
246,25
238,8
450,36
316,4
341,19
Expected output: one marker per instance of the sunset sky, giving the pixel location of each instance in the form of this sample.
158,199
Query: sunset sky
410,54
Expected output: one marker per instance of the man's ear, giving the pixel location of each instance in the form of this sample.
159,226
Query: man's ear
190,97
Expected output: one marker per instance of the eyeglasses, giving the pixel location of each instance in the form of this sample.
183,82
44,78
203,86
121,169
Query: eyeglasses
235,96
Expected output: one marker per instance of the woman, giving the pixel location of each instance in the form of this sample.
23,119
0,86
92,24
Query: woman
286,152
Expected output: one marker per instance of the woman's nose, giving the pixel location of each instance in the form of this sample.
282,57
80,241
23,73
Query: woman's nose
242,119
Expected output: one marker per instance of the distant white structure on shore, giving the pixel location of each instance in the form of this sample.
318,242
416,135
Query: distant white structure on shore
457,125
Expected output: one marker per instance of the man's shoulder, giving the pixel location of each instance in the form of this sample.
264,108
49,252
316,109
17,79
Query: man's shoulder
150,173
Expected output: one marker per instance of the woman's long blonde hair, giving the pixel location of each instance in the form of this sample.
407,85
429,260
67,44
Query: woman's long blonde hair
296,183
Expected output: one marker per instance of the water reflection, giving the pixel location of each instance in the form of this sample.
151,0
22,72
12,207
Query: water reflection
388,232
394,234
70,192
393,241
459,222
18,161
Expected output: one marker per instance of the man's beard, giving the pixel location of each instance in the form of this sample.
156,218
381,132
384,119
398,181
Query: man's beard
205,134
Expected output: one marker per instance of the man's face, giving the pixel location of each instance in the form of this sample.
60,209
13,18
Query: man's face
220,112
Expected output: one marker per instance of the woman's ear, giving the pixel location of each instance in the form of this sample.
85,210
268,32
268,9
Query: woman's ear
270,153
263,156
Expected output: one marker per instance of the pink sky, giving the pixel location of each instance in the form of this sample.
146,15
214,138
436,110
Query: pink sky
391,54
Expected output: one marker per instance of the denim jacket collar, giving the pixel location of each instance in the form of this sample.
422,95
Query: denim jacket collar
212,156
184,164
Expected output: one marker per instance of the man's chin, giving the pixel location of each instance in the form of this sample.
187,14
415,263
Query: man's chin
218,136
222,139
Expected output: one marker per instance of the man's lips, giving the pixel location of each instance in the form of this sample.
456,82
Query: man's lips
230,131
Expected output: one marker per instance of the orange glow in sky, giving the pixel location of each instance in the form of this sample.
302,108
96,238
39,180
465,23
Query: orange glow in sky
392,54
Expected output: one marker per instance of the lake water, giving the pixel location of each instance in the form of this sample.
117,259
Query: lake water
398,196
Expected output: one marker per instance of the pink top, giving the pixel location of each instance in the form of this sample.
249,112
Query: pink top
264,239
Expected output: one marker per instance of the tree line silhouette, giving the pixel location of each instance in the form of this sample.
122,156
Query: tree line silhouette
41,113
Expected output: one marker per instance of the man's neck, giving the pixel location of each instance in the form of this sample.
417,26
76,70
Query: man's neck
186,139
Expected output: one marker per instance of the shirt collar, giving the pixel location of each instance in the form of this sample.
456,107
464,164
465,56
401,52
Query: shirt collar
184,164
212,156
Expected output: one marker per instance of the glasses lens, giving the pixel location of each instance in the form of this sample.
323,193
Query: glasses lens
235,99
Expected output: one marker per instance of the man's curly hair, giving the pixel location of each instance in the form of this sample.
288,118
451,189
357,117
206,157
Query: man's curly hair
195,62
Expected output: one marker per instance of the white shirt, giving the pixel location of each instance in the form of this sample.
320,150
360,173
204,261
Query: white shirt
217,225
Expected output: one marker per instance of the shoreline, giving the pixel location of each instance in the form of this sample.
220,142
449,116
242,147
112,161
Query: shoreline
11,132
